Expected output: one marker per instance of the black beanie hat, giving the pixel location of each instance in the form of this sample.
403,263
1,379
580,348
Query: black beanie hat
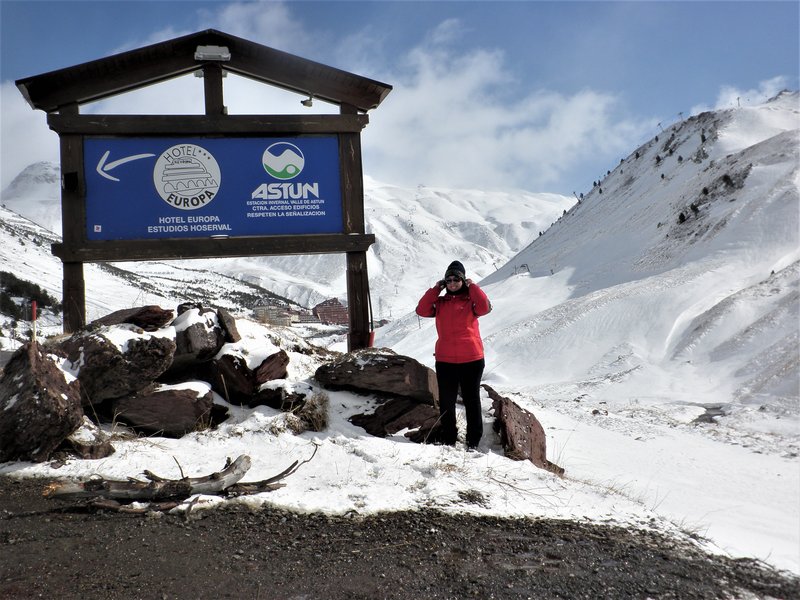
456,268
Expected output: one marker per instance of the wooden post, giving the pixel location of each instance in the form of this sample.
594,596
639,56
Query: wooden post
74,291
73,222
212,86
358,301
353,214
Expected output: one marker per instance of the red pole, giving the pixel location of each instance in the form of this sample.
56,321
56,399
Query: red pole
33,310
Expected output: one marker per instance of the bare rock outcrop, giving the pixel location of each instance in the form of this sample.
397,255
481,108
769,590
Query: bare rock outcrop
166,410
231,377
521,434
382,371
108,370
148,318
38,406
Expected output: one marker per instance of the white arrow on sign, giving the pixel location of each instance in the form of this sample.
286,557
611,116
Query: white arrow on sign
102,167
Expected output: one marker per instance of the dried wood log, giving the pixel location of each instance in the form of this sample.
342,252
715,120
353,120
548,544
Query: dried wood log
156,488
267,485
113,505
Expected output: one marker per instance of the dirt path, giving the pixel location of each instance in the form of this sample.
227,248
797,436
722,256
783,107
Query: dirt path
57,549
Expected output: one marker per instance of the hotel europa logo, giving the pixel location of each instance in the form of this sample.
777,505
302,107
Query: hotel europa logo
186,176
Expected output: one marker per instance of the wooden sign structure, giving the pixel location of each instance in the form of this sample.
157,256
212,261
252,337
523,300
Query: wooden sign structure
84,238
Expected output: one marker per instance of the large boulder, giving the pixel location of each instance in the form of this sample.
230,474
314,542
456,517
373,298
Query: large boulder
232,378
228,324
39,406
113,362
520,432
382,371
398,414
171,411
198,337
149,318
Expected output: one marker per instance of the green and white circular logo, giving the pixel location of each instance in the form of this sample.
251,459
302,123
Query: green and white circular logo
186,176
283,160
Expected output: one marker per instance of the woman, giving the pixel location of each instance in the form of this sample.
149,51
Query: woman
459,350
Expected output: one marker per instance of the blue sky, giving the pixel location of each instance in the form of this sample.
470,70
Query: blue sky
544,96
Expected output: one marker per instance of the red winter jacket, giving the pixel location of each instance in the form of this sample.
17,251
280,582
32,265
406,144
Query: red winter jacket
456,322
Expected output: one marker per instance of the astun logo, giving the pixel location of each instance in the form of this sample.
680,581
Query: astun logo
283,160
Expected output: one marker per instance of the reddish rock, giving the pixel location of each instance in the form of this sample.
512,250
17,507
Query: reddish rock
521,434
167,411
231,378
380,370
228,324
38,406
397,414
149,318
107,371
272,367
198,337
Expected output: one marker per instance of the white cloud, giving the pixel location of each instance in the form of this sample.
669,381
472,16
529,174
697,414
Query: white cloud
267,23
733,97
457,117
26,138
730,96
464,120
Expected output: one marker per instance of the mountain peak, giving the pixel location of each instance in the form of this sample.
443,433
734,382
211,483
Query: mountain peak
35,178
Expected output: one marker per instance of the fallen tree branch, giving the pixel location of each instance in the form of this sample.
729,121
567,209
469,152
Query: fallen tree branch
268,485
156,488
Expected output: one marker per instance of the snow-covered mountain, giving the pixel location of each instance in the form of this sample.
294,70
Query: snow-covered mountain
36,194
652,329
418,232
675,279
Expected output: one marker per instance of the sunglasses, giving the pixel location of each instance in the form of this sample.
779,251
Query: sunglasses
452,280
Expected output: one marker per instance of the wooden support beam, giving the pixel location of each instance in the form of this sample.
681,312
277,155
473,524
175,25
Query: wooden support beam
166,125
212,87
74,297
178,248
358,301
73,217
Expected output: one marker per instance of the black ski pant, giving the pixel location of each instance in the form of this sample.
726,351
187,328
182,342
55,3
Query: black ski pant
467,376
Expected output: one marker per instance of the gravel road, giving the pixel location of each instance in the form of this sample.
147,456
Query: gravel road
58,549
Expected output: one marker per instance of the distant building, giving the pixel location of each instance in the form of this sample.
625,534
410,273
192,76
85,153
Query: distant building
331,312
273,315
305,317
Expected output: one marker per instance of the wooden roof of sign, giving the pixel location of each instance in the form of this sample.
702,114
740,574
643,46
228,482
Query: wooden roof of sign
128,71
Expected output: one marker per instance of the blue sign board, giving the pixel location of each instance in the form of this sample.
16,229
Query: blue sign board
151,188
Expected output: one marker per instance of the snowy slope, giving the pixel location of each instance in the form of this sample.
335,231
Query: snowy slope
25,252
418,232
620,290
647,343
660,356
36,194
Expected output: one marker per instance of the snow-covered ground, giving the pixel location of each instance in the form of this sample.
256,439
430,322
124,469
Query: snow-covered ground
659,352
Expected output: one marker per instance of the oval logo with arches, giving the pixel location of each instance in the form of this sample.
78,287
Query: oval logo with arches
186,176
283,160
